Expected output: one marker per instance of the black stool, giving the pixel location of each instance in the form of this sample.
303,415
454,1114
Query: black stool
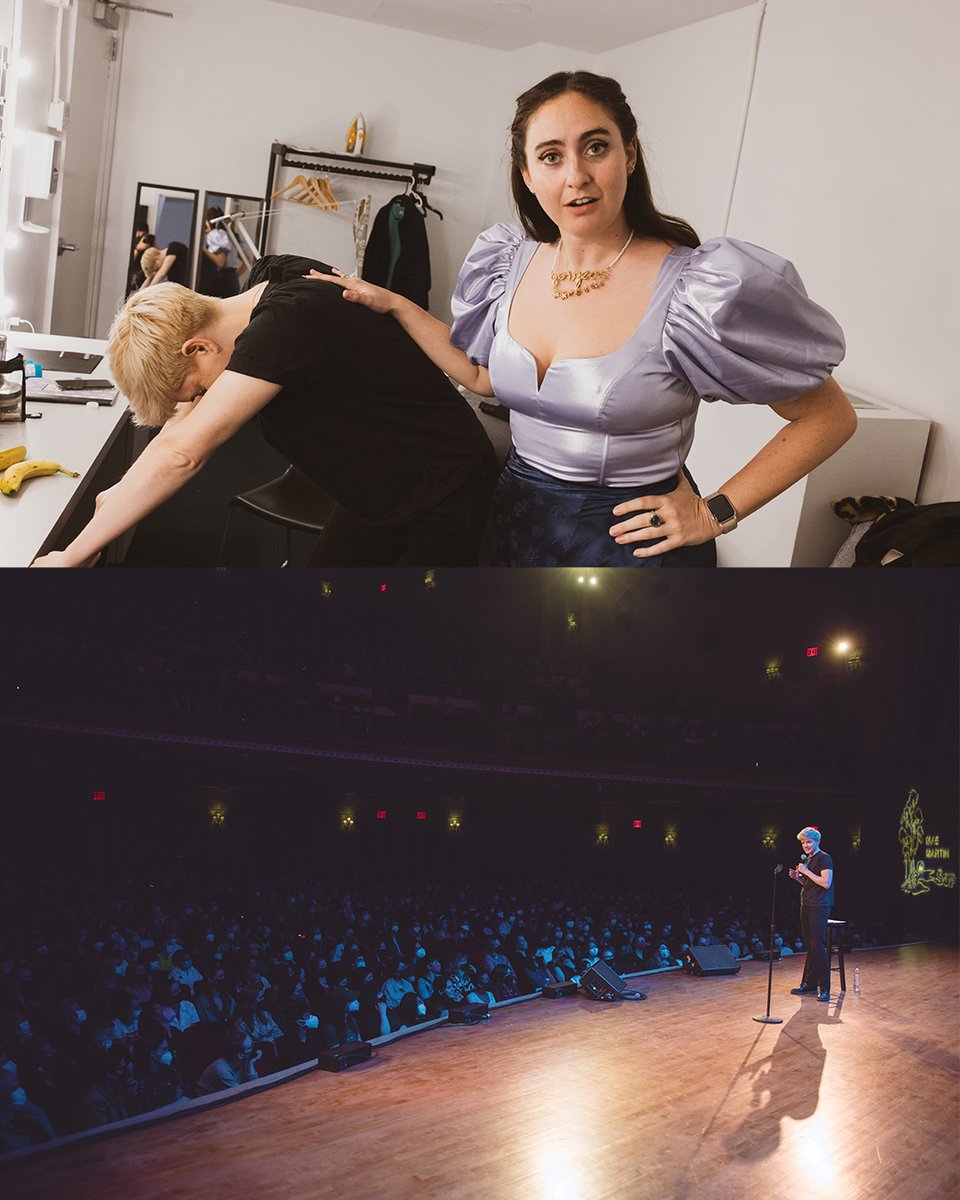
292,500
836,927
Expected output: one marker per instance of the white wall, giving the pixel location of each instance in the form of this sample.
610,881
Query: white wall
28,29
204,96
849,169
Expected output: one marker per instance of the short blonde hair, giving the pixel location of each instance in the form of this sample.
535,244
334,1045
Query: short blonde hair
808,833
151,259
143,347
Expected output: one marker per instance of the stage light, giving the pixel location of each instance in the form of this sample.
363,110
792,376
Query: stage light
843,647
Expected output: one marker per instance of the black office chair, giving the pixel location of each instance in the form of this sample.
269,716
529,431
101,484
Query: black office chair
291,500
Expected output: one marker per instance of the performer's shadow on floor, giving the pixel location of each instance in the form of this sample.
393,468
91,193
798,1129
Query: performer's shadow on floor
786,1083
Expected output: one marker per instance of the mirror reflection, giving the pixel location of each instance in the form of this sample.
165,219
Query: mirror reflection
164,218
229,242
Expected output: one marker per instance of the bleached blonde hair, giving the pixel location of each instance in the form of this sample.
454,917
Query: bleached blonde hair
808,833
143,347
151,259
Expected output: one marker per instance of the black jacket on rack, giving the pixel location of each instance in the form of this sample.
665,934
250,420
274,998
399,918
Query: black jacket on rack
397,255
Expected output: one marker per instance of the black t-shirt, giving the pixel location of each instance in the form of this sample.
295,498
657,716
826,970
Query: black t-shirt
812,893
363,411
180,269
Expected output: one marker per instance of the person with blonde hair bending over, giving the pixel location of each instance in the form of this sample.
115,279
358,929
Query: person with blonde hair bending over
601,323
342,393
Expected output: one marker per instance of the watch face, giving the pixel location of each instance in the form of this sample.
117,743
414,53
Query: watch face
721,508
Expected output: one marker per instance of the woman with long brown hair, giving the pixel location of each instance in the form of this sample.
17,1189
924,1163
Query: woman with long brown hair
601,323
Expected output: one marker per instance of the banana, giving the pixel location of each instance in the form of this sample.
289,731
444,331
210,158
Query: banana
14,455
13,476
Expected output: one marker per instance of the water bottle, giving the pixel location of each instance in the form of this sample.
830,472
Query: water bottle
856,981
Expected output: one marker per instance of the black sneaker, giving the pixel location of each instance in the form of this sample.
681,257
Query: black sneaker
802,990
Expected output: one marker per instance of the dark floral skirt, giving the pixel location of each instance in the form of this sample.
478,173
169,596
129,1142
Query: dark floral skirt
540,521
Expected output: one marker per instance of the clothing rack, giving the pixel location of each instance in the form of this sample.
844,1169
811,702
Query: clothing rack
416,174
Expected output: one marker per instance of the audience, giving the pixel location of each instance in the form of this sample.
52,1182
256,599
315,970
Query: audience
97,1022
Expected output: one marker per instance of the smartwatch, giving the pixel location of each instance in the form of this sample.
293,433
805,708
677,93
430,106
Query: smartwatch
722,511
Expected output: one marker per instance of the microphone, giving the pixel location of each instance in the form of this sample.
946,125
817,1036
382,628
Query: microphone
778,868
803,858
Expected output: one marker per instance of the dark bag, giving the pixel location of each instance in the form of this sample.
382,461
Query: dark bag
923,535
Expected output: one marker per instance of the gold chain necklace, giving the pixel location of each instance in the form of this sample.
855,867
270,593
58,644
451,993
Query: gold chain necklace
583,281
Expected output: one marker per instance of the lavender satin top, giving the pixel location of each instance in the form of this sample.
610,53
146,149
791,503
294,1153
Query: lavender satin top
726,321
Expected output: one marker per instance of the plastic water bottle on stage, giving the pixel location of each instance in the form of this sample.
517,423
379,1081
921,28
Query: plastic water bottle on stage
856,981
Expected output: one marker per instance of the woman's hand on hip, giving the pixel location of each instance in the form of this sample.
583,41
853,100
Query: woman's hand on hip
679,518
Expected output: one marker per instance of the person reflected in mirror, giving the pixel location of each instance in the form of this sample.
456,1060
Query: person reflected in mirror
142,240
150,262
174,266
600,323
217,274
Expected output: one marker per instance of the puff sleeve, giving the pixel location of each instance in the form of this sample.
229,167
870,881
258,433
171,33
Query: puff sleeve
480,287
741,328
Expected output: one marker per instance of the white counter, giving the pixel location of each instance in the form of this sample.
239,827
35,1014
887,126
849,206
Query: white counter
80,436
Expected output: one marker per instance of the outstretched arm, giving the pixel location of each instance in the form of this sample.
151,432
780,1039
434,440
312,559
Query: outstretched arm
175,455
431,335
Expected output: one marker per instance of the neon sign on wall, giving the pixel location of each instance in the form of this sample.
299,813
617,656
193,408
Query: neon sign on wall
920,850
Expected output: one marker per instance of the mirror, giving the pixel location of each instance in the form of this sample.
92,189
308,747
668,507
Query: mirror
229,242
169,215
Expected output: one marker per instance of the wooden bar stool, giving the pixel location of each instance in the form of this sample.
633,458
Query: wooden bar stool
835,934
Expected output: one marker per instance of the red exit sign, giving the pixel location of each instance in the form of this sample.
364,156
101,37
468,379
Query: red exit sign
99,795
813,651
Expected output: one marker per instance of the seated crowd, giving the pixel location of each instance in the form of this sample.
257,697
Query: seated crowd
116,1001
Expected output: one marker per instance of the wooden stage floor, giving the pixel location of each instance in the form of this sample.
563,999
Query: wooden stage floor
680,1096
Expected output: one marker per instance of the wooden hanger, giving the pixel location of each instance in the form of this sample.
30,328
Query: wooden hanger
315,192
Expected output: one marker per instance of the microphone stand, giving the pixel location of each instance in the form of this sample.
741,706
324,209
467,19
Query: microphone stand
767,1019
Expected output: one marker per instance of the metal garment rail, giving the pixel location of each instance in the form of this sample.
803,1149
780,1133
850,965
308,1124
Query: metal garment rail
281,155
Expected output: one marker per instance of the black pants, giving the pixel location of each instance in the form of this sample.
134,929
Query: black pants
813,926
446,535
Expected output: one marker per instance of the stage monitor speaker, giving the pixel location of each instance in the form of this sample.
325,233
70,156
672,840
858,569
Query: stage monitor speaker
710,960
467,1014
346,1055
556,991
602,982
